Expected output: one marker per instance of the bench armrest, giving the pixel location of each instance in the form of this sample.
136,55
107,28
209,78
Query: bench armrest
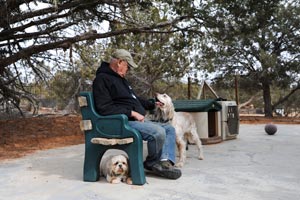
109,126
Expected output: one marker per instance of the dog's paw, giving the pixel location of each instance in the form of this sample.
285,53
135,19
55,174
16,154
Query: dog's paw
115,180
179,164
129,181
201,157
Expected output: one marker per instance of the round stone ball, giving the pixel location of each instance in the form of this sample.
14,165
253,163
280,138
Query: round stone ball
270,129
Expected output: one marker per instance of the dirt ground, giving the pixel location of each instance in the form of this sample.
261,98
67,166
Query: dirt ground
20,137
20,149
15,145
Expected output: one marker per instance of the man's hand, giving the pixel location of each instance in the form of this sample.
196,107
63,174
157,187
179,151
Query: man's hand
137,116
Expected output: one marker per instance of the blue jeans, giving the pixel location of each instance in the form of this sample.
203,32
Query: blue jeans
161,140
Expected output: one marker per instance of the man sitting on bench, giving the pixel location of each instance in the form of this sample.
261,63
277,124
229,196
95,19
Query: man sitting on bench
113,95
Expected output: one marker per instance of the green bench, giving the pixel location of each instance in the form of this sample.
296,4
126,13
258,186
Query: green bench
108,132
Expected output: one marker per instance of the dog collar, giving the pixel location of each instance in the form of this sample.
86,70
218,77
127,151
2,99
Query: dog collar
163,121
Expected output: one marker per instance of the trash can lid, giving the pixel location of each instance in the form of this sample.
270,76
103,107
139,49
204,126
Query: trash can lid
207,105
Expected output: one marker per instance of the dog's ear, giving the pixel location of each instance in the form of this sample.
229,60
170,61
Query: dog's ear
168,114
170,109
108,168
171,114
157,114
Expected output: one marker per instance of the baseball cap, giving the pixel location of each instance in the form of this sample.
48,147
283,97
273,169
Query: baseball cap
124,55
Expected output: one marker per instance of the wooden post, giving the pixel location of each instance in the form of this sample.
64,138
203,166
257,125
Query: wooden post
236,89
189,87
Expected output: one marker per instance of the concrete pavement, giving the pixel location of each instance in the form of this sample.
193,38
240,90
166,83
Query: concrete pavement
255,166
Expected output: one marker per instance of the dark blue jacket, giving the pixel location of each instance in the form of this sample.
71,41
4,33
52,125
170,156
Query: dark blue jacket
113,94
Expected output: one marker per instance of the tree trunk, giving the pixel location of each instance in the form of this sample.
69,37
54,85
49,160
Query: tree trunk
267,99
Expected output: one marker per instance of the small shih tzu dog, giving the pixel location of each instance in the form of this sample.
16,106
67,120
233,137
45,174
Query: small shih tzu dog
115,169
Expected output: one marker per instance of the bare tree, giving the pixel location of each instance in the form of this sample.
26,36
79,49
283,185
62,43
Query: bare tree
33,31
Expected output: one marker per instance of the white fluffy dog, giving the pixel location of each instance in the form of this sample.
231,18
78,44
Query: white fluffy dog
115,169
183,123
